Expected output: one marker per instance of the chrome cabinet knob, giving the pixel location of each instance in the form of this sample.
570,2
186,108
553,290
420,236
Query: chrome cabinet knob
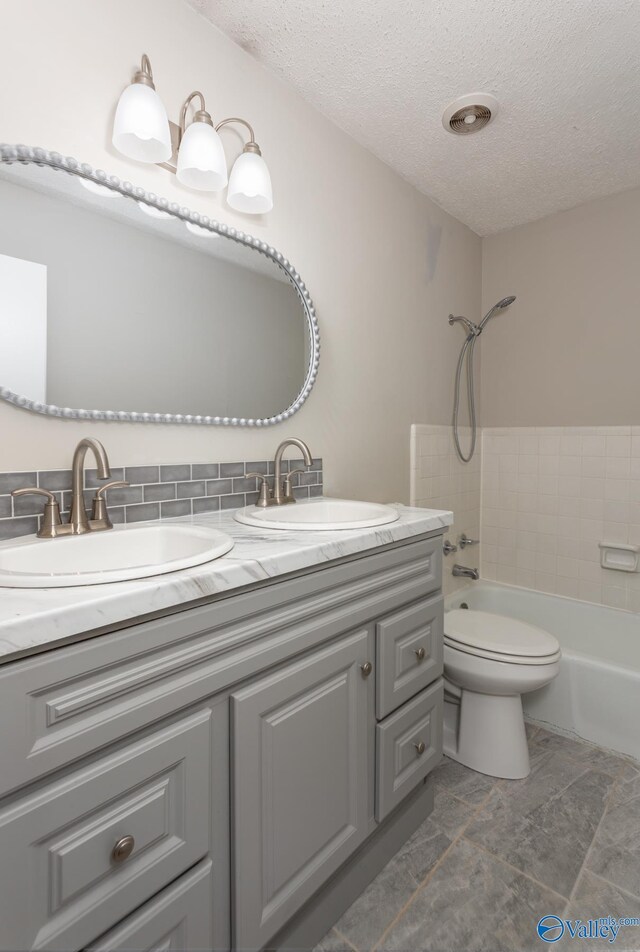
123,849
420,748
420,653
366,669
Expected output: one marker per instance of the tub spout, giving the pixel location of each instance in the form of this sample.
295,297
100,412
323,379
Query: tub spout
463,571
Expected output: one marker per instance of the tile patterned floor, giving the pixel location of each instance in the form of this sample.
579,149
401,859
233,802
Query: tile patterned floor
496,855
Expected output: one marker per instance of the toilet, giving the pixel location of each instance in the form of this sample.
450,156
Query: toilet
489,662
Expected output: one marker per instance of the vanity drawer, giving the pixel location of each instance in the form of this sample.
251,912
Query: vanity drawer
178,920
66,882
409,646
408,746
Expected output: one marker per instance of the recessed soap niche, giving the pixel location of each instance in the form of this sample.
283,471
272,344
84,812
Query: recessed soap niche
619,556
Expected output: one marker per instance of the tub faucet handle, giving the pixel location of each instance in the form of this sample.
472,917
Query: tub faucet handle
449,547
464,541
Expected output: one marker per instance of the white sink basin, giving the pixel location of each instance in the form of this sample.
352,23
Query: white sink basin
318,514
115,555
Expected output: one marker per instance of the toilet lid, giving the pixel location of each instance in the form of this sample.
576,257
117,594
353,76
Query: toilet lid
498,634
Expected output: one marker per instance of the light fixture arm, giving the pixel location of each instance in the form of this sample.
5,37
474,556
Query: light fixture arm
144,75
201,115
251,145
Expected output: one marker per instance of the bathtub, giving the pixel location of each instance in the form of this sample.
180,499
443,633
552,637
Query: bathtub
596,695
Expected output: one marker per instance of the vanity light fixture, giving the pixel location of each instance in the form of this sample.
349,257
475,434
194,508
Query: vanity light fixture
193,151
141,128
201,160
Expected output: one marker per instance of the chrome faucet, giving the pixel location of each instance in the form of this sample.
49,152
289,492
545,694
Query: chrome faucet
463,571
52,525
282,492
78,518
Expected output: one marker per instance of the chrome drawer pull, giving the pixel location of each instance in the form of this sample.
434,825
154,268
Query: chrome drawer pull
420,748
123,849
366,669
420,653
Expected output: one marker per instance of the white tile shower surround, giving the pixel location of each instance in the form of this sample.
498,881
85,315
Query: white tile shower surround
543,498
549,495
440,481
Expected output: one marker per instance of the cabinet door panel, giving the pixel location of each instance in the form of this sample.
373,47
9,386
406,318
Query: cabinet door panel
302,777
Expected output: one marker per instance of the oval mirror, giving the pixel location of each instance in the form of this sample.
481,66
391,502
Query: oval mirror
118,305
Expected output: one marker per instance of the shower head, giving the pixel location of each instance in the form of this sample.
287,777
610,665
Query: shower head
500,306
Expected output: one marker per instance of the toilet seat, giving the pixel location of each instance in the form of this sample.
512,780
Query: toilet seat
498,638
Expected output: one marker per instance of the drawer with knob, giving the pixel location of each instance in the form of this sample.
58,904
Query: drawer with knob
408,747
89,848
409,647
176,920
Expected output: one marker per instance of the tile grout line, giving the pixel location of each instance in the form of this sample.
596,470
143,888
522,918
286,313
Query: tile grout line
344,939
422,886
608,882
587,855
515,869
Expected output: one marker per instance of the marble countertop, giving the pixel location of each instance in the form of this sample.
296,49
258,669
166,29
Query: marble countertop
33,620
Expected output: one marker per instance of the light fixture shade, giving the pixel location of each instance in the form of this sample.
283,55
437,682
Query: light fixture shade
141,128
250,185
201,159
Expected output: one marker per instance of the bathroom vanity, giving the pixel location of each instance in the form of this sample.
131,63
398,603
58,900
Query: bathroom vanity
220,758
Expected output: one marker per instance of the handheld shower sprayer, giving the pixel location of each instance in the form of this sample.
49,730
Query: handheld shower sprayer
473,332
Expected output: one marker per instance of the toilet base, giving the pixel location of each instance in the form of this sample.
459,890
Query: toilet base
486,732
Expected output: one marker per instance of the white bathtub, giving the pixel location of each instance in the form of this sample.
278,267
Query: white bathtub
596,695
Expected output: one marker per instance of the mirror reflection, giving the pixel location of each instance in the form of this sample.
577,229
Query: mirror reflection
107,303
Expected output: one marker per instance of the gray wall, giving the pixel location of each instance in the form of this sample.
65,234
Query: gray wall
566,353
138,322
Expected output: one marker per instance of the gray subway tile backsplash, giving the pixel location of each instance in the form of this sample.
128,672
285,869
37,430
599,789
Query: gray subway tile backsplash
11,481
142,474
175,472
156,491
232,502
159,492
206,504
12,528
231,469
176,507
143,512
219,487
205,470
195,487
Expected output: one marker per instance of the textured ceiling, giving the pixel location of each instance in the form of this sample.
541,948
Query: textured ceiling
565,72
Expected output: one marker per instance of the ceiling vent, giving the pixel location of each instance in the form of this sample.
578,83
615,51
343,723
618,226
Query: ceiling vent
470,113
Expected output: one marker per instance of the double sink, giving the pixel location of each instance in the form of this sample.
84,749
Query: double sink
135,552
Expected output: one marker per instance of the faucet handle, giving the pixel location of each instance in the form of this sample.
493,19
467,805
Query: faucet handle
288,488
265,498
99,512
51,517
114,484
464,541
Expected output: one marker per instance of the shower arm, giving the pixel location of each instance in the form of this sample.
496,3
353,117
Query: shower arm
473,330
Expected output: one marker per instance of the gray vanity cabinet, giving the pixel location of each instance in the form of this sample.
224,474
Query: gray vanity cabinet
228,775
302,779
